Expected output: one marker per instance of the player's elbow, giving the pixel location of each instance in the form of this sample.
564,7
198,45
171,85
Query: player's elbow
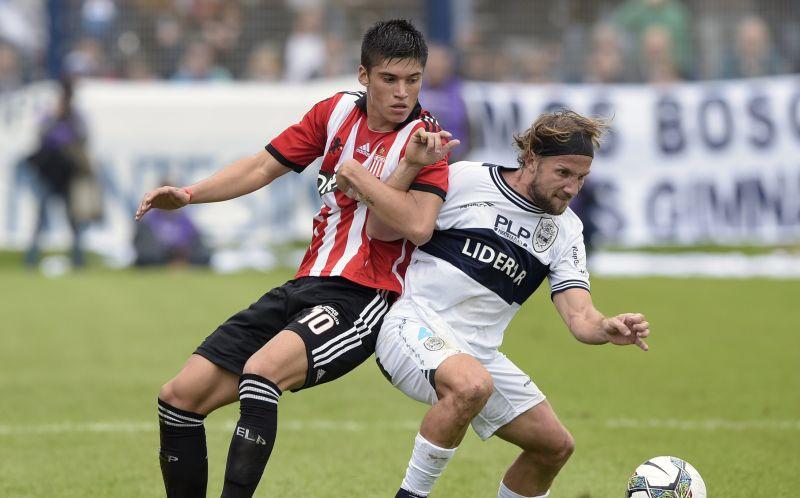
420,234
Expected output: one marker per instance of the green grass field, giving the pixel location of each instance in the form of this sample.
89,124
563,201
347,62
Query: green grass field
82,358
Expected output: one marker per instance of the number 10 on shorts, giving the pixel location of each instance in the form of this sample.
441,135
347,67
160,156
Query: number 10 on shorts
320,319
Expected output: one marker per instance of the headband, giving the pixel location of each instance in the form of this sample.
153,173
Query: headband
578,144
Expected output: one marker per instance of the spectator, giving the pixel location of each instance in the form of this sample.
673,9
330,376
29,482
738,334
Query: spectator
657,63
753,52
169,238
169,43
98,18
637,17
305,47
539,64
87,59
605,62
223,33
441,94
197,64
136,68
264,63
10,70
65,175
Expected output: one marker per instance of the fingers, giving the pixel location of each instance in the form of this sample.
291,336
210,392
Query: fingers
617,327
452,144
431,143
642,345
144,207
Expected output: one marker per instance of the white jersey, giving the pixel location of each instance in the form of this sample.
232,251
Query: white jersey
490,251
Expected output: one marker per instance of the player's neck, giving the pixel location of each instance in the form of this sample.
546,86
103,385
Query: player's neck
377,123
517,180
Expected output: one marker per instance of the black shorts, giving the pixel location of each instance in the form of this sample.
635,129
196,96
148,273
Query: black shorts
337,319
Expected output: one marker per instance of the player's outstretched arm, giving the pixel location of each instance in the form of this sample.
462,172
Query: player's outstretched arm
238,178
591,327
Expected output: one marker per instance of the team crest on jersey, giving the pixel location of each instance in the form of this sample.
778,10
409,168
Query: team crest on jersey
433,343
545,234
378,161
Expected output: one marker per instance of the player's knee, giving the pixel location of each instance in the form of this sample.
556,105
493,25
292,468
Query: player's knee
473,391
171,394
284,374
566,448
561,448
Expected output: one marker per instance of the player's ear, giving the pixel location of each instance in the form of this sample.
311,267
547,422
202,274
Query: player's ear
363,76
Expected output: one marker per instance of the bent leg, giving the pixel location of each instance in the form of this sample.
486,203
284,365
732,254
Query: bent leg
463,386
183,402
546,446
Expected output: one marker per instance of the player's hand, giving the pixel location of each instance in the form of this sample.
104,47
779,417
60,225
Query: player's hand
425,147
163,198
627,328
345,173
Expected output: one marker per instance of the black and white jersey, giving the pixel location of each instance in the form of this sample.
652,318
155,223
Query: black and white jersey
491,250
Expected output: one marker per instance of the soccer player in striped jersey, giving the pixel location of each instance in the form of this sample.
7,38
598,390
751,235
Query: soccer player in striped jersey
499,234
322,324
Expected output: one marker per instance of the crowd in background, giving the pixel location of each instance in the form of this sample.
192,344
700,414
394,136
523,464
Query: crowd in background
656,41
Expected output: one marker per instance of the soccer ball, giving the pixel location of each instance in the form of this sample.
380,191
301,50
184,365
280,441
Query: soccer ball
666,477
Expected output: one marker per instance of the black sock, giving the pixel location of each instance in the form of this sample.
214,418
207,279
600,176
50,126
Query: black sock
184,462
253,436
404,493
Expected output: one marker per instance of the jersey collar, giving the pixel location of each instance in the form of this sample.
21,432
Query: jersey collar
361,102
508,191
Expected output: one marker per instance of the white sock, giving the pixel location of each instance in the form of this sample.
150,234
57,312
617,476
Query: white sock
504,492
426,465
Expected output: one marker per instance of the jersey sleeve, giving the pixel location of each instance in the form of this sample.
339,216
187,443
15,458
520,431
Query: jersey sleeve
569,270
300,144
434,177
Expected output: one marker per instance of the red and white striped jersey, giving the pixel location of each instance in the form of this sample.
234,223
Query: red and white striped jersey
337,128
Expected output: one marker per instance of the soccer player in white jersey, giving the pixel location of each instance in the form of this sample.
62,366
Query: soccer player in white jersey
500,233
324,322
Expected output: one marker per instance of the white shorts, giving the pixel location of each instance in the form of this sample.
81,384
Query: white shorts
409,350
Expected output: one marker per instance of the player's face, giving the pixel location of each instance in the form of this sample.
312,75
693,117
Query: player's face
556,180
392,91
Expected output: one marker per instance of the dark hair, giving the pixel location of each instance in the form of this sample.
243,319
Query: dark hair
394,39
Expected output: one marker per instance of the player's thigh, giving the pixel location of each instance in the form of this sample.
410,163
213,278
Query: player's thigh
514,394
200,387
538,429
282,360
409,352
337,333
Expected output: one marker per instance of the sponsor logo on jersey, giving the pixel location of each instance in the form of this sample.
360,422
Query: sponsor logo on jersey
513,231
320,373
497,259
363,149
476,204
545,234
326,183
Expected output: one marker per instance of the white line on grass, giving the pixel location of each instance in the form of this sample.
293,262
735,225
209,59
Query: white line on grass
323,425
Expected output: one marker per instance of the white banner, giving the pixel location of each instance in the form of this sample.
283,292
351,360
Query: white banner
714,162
692,163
